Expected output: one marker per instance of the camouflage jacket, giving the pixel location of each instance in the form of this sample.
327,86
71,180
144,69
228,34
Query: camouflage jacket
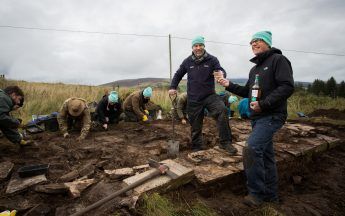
181,105
84,118
135,102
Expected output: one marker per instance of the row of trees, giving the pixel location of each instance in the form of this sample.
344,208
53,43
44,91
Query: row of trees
329,88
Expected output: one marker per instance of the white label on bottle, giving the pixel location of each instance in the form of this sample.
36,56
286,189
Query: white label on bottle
255,93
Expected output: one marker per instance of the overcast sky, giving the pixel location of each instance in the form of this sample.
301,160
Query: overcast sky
90,58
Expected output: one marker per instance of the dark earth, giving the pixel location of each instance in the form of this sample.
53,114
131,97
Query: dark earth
318,190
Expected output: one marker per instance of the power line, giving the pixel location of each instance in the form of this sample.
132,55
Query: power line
81,31
244,45
155,36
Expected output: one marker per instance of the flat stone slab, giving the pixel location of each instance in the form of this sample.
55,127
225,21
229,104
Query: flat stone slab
120,173
332,141
214,164
5,169
18,184
52,188
209,173
215,155
300,129
77,187
163,182
141,168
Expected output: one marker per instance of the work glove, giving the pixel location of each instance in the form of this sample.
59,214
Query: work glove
145,118
25,142
66,135
8,213
159,115
105,126
147,112
183,121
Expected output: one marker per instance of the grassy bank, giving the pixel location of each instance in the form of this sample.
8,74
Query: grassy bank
45,98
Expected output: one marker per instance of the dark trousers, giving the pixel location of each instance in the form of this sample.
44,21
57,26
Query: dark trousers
259,162
217,110
131,116
11,134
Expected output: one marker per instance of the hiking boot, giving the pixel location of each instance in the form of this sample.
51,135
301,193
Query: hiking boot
275,201
252,201
229,148
199,148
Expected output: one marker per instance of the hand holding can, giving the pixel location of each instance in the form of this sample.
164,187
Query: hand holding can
218,75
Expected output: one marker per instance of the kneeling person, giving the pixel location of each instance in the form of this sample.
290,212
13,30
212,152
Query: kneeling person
11,98
109,109
74,113
134,105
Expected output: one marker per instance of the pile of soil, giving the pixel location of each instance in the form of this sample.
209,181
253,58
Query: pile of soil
329,113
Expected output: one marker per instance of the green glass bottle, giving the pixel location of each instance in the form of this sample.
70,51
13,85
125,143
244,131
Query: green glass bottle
256,90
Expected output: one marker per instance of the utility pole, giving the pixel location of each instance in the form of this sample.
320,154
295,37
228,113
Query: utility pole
170,57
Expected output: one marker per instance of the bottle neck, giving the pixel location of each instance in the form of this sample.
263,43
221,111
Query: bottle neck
256,82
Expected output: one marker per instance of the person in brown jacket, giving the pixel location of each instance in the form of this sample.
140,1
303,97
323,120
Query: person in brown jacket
74,113
134,105
181,107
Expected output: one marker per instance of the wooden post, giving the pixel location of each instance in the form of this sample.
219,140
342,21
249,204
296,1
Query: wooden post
2,81
170,62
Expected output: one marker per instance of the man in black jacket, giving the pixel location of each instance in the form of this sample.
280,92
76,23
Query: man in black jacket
109,109
11,98
200,68
268,114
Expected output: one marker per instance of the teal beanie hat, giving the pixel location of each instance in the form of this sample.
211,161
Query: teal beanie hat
198,40
265,36
232,99
113,97
147,92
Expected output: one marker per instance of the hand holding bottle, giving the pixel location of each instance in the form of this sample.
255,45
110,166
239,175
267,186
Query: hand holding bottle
255,106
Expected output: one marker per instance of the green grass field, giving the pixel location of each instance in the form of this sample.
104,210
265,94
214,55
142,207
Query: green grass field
45,98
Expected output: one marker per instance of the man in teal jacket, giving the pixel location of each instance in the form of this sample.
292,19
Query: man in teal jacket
11,97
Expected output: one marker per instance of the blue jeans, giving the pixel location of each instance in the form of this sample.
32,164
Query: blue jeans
259,162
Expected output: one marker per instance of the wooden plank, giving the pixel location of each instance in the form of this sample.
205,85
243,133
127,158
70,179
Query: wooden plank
5,169
19,184
162,182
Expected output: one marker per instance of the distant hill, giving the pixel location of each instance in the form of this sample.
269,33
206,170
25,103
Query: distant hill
154,81
136,82
166,82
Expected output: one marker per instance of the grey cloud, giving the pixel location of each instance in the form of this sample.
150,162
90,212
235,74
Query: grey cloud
95,58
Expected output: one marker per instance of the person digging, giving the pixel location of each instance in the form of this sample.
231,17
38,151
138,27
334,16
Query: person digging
11,98
74,114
